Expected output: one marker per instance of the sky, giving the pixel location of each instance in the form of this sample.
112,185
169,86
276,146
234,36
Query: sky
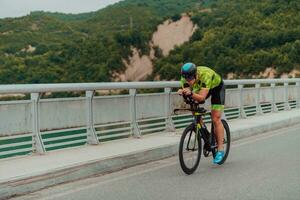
17,8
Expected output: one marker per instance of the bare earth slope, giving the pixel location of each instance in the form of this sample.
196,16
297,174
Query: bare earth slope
168,35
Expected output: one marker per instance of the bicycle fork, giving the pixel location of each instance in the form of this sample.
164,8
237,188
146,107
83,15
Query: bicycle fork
194,145
198,134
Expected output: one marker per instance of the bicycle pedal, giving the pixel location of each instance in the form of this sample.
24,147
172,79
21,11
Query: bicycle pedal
206,153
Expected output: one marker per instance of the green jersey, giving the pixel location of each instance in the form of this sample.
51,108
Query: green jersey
206,78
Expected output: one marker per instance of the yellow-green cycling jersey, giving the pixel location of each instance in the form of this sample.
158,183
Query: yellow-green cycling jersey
206,78
209,79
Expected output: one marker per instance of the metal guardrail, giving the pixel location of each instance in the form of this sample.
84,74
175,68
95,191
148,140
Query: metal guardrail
64,87
40,141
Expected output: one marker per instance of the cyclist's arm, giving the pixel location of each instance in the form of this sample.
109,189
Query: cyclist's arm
206,84
201,95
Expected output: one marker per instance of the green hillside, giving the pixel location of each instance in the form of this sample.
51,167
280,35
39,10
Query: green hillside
242,37
79,48
65,17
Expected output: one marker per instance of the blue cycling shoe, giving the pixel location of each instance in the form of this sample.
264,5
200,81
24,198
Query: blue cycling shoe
219,157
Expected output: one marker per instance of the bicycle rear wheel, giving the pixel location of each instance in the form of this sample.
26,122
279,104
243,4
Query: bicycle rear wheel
189,150
227,140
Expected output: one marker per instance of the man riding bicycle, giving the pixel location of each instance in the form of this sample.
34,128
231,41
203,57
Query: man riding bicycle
200,83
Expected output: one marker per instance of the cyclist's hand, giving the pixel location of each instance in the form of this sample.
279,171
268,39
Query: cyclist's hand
180,92
187,91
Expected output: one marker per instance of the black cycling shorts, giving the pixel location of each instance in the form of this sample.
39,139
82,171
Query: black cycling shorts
217,97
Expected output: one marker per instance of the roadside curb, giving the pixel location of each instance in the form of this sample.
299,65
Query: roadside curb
262,128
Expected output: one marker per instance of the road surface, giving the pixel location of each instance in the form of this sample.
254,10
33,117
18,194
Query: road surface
264,167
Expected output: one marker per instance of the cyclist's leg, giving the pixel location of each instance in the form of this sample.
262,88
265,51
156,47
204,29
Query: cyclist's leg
218,128
217,103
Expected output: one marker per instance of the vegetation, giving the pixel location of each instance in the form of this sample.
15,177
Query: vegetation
242,37
53,47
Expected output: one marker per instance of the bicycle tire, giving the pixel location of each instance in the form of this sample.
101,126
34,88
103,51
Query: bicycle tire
186,133
228,140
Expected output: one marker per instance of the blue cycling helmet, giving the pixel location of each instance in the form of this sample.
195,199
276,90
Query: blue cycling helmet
189,71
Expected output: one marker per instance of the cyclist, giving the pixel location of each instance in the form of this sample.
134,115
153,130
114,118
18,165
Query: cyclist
200,83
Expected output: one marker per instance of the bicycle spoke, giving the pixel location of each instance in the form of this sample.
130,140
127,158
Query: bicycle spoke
192,147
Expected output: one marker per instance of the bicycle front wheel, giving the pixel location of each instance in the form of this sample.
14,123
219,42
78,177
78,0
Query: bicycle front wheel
189,150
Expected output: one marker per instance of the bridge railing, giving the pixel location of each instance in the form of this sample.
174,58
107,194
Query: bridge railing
40,125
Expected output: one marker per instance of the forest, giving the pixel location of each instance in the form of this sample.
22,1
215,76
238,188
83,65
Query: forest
241,37
233,36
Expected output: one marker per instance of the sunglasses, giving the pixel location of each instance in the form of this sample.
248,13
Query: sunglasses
188,77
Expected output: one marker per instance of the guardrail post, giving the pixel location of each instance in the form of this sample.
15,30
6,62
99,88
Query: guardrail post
135,131
298,94
257,101
274,107
286,97
169,122
91,133
38,145
242,111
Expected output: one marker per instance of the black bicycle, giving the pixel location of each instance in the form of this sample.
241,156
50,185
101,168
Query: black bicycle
190,146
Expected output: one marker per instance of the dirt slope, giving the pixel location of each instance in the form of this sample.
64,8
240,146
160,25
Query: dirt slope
168,35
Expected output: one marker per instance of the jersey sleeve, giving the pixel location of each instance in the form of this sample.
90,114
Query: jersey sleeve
207,81
183,83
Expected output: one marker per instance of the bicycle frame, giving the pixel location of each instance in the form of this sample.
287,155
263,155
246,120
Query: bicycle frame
201,127
196,131
198,113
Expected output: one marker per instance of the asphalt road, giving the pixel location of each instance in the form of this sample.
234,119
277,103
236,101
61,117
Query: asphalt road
260,167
